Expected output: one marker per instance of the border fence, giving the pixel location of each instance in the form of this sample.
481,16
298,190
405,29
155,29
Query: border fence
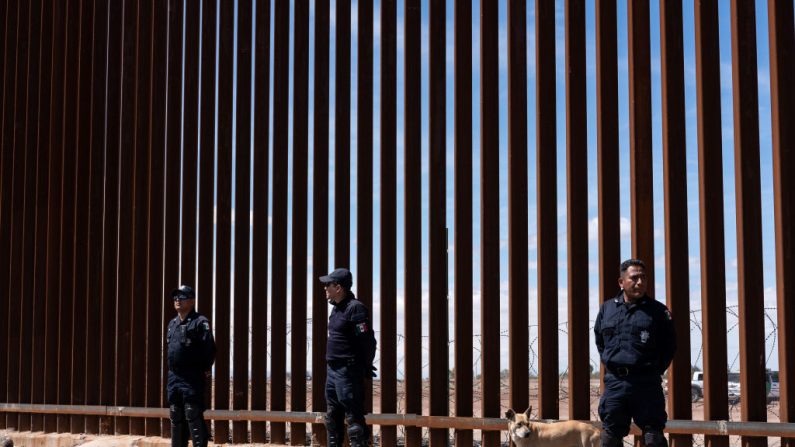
118,155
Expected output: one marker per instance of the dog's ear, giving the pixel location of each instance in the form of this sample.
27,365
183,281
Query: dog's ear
510,414
528,411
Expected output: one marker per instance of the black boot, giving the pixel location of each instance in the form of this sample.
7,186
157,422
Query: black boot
198,430
179,430
357,434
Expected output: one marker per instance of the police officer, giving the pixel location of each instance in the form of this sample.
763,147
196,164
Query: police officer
636,342
349,356
191,353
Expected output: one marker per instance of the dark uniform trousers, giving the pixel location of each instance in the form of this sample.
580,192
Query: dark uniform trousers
344,400
633,395
191,352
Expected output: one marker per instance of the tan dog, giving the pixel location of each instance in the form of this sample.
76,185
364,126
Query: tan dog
527,433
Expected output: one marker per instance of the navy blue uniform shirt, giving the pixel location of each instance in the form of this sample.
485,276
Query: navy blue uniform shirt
350,335
191,347
637,336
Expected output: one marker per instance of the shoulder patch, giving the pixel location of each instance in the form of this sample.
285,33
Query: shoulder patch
206,326
361,328
668,315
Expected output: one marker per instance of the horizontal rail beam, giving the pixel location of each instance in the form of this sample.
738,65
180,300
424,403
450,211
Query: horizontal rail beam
724,428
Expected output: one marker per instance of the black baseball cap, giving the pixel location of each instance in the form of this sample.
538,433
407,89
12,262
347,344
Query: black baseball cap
341,276
183,292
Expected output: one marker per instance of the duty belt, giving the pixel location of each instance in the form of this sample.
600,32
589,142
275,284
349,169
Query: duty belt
626,371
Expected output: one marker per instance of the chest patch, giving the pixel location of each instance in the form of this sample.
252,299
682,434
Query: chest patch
361,328
644,336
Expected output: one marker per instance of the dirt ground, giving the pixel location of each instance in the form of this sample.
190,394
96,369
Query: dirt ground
54,440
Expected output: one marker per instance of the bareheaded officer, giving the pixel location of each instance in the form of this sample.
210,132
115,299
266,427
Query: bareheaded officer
636,342
191,353
349,356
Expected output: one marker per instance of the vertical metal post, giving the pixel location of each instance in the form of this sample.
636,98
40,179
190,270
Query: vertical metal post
342,134
242,220
462,238
388,343
29,214
281,81
206,198
299,215
223,219
437,316
158,150
640,155
489,216
190,135
675,196
413,222
462,263
546,148
320,208
10,51
70,148
607,146
259,262
713,275
364,168
17,230
577,211
749,217
782,96
173,178
42,212
141,177
110,230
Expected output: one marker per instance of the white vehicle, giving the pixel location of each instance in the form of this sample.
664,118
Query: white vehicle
732,385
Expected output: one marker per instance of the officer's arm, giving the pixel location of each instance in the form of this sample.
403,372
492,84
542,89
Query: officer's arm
364,338
207,344
597,331
668,343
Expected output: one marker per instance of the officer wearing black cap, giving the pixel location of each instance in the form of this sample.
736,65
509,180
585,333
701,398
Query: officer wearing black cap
191,353
636,342
349,356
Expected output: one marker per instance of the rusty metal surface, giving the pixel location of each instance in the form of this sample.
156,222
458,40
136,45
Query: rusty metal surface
546,178
607,146
281,84
388,228
9,61
342,134
489,216
413,215
206,179
42,212
437,230
222,320
640,150
713,275
782,97
364,168
242,222
462,238
110,235
189,50
299,216
173,180
29,214
749,217
577,211
259,264
677,285
320,210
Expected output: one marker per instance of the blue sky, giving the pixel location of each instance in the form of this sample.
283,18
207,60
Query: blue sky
623,89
